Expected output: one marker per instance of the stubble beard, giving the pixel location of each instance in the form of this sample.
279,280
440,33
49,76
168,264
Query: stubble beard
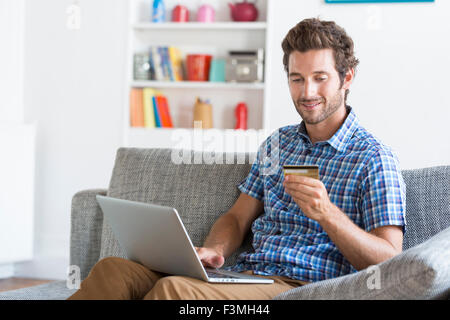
329,107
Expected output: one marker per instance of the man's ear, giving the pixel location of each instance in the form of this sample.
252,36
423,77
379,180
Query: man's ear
348,78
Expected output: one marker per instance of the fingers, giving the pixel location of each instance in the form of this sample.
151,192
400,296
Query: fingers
302,180
298,195
302,189
215,261
209,257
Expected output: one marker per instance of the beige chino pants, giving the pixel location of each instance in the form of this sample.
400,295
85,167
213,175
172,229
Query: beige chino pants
117,278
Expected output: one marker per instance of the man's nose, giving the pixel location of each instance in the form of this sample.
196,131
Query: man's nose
310,89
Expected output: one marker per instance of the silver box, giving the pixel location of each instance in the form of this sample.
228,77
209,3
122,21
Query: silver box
245,66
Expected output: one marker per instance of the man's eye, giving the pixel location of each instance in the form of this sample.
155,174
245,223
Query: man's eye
296,80
322,79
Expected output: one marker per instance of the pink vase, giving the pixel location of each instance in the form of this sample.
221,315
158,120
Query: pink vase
206,13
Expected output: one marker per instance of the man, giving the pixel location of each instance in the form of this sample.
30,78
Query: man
304,229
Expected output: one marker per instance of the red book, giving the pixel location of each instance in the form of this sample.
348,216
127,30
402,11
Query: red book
163,108
136,108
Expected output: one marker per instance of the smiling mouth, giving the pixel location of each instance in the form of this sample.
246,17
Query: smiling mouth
310,106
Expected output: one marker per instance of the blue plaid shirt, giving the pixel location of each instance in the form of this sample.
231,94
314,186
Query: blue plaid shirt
362,177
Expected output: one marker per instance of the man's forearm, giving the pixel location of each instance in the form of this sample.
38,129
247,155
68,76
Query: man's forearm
225,235
359,247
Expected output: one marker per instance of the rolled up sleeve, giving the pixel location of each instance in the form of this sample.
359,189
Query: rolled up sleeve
383,195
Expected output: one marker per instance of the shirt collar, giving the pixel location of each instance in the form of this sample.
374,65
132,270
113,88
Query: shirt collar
341,137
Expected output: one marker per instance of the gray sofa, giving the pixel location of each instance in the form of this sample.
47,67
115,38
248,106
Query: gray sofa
202,192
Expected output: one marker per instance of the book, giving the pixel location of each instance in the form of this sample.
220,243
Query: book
159,74
152,66
136,108
148,109
155,109
176,63
168,63
164,113
164,65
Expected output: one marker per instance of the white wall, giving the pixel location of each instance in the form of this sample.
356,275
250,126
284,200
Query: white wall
73,90
16,143
11,60
400,92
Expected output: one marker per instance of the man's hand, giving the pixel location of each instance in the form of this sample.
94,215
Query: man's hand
210,257
311,196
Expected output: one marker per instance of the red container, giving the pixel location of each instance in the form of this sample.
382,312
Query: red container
180,14
240,113
197,66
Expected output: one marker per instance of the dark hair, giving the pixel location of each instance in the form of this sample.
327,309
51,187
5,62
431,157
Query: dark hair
314,34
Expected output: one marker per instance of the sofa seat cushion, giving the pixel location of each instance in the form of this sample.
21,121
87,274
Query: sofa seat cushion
200,192
422,272
55,290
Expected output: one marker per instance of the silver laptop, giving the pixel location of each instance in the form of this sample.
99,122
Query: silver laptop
155,237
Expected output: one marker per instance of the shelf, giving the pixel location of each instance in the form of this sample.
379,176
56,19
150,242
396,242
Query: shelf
198,85
200,26
239,132
227,140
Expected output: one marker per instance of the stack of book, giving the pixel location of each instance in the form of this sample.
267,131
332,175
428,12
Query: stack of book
149,109
165,64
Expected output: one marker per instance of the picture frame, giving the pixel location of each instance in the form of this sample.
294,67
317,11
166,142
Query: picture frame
375,1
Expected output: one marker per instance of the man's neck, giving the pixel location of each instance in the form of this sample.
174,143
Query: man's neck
324,130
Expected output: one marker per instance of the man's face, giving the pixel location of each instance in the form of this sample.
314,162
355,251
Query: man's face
314,85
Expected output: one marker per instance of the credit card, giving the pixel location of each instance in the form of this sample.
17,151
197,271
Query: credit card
306,171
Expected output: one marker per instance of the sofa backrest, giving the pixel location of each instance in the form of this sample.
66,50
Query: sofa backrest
427,203
202,192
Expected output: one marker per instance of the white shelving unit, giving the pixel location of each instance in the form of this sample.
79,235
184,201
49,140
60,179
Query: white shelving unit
217,39
198,85
201,26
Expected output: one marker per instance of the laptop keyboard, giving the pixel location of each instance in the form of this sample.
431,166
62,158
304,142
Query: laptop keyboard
213,274
228,276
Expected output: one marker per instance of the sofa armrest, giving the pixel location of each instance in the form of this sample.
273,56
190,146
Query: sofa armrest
421,272
86,230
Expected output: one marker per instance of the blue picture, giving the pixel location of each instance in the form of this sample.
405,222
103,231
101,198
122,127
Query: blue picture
374,1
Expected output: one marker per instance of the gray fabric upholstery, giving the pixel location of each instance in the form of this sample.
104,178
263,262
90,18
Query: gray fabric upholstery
199,192
421,272
56,290
86,230
427,203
